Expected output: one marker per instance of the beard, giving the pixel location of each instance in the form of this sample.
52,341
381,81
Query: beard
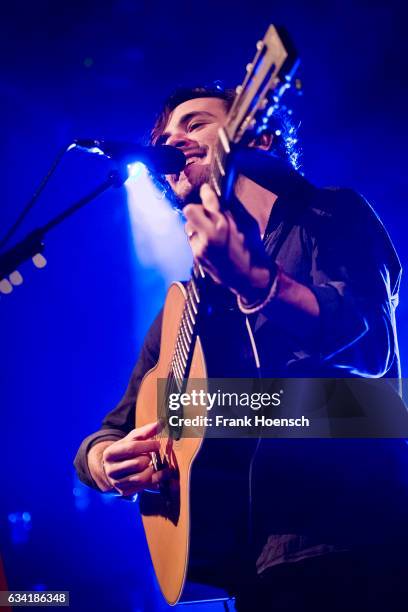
186,189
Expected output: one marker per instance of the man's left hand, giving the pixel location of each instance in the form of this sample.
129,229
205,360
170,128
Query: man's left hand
221,249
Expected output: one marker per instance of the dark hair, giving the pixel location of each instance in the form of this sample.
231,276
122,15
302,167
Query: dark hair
183,94
280,123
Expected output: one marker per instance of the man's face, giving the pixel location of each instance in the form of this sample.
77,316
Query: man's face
193,128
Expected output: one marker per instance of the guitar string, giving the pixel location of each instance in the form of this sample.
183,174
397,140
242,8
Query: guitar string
177,366
176,369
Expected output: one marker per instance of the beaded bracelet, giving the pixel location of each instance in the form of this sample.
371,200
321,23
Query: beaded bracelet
248,309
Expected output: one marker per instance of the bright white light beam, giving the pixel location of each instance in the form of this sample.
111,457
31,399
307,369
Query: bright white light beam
158,234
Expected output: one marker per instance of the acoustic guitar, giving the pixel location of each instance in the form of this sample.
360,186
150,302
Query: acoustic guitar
166,514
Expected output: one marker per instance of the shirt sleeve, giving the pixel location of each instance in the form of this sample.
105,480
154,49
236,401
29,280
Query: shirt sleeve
120,421
355,278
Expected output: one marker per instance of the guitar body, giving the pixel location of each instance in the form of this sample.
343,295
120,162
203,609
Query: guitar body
166,515
204,470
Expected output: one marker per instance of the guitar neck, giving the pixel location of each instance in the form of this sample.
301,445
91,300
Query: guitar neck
187,333
221,181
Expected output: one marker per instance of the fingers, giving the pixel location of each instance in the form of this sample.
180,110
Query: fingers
147,479
209,199
197,218
122,469
137,442
147,431
204,216
135,482
129,449
206,225
190,230
127,463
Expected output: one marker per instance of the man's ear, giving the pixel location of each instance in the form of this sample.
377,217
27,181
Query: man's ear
263,141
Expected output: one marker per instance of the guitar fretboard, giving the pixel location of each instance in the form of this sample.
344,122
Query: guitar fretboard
187,330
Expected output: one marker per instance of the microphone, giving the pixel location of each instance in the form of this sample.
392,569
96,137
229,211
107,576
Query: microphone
163,159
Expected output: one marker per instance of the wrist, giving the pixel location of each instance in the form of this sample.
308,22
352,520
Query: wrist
96,467
258,285
262,294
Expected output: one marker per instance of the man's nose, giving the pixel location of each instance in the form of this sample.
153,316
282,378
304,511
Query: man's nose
180,140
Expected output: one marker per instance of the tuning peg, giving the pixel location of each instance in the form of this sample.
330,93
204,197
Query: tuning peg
260,45
39,260
249,67
238,89
15,278
264,104
5,286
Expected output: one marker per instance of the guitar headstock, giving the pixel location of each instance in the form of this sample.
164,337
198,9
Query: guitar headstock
268,76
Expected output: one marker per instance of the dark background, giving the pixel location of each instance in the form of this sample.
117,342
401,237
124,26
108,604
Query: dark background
70,334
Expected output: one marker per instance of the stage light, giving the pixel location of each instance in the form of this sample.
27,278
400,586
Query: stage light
135,170
158,234
20,526
162,254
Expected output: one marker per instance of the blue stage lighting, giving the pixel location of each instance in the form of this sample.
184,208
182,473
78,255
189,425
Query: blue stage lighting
158,234
20,526
135,171
81,494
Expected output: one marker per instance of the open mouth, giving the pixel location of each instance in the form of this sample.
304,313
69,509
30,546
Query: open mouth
192,160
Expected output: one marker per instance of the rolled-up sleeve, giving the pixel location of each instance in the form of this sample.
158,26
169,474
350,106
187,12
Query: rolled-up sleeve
120,421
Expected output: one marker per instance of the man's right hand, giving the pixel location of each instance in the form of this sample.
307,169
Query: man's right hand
125,465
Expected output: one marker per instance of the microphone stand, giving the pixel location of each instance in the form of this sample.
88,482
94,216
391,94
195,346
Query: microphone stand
33,243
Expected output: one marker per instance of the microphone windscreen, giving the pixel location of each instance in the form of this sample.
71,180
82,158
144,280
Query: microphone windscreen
165,159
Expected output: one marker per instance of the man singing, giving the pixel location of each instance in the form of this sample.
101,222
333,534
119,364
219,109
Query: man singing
318,280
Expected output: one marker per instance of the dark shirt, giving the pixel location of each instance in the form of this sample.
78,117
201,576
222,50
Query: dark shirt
332,241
